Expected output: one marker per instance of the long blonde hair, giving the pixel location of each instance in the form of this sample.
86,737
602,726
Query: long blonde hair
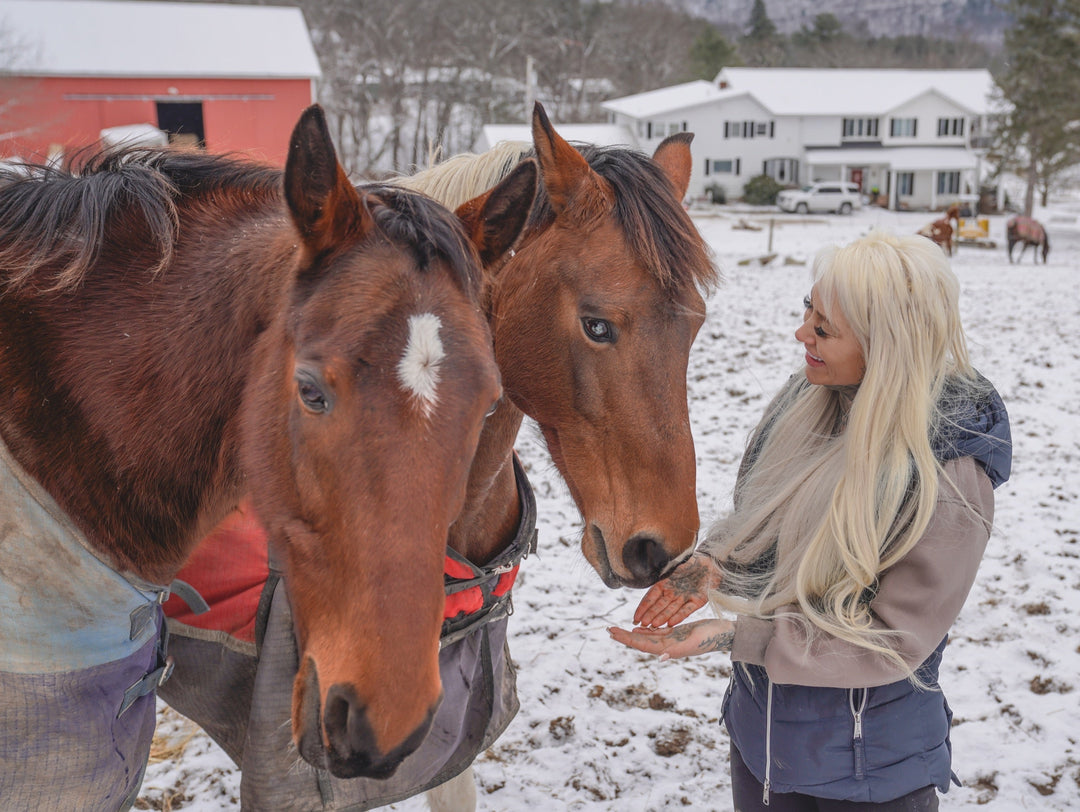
839,484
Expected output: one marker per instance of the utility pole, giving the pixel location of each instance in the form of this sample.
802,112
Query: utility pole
530,87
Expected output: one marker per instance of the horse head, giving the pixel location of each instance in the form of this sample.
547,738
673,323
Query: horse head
363,415
614,263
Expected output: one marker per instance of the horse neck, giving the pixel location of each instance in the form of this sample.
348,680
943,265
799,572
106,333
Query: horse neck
489,520
144,482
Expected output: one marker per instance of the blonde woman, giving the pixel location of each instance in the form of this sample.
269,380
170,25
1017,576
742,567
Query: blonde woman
861,511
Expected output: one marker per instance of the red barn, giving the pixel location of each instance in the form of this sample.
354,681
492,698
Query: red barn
225,77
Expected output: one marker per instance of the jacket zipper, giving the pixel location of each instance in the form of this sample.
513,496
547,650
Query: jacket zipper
768,746
857,737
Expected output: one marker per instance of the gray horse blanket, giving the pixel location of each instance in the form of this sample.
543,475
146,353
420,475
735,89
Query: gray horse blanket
235,668
81,652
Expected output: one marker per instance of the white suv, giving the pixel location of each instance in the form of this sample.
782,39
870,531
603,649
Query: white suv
825,196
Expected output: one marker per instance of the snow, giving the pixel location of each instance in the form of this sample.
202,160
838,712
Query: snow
103,38
606,729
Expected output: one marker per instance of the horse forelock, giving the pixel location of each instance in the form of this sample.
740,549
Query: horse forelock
657,228
56,222
426,228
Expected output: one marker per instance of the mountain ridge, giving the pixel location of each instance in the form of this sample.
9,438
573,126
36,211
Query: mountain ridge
980,21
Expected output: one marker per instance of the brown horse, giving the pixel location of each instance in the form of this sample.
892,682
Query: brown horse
942,231
593,316
1026,231
177,329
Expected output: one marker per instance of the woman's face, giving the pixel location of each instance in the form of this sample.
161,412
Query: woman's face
833,355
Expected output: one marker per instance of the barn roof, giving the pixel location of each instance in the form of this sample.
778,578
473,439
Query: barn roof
154,39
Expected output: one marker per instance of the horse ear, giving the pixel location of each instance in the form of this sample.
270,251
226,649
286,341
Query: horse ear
675,159
322,201
494,220
568,178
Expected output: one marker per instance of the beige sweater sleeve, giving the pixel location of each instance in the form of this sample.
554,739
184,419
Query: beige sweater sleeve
919,597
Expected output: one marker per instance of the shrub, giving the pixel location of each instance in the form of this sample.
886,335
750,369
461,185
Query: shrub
716,194
761,191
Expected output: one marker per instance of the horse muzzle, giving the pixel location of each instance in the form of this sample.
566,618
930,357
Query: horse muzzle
341,738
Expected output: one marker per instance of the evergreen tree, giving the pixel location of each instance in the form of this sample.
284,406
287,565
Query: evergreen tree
1041,88
710,52
761,27
762,46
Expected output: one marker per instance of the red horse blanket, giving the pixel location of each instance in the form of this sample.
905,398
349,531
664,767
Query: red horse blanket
1027,230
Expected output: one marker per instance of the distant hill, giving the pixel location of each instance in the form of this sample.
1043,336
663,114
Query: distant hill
974,20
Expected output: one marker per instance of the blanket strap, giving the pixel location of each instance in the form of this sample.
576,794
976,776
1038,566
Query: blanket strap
476,595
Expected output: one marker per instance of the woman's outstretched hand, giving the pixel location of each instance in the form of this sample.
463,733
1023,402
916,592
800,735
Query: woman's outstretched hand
698,637
679,595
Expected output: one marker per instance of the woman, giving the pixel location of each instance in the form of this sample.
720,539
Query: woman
861,512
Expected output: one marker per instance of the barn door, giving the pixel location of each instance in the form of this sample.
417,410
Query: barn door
183,121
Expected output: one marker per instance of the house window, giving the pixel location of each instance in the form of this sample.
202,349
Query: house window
748,129
860,128
722,167
905,183
948,183
782,170
950,126
903,127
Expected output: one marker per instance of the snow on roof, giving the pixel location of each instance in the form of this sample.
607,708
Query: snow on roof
903,159
607,135
666,99
103,38
816,91
857,91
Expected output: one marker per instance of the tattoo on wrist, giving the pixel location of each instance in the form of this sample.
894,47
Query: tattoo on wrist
718,642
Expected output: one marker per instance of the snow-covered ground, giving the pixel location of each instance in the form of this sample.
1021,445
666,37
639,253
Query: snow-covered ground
603,728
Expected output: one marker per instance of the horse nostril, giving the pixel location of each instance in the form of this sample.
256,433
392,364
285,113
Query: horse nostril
646,559
345,721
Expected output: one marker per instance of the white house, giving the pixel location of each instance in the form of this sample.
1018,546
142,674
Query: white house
608,135
915,136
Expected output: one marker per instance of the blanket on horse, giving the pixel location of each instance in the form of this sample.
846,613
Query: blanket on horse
81,652
1026,230
235,667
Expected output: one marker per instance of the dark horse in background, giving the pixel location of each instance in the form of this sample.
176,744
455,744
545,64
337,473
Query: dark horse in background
1026,231
177,330
593,315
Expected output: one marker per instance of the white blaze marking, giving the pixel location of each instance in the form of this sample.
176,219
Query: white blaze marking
418,369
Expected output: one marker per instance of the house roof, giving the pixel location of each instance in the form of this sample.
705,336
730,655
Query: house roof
901,159
666,99
602,134
155,39
817,91
857,91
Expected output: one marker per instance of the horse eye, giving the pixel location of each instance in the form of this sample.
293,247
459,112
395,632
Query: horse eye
494,406
599,330
312,395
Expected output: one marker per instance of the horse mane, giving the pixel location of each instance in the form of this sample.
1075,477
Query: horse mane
58,221
418,222
462,177
658,230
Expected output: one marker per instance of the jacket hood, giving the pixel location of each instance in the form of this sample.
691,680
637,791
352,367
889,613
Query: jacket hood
976,424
